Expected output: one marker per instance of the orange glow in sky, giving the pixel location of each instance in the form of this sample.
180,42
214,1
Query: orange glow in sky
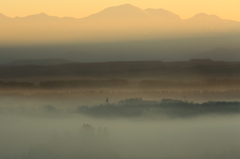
82,8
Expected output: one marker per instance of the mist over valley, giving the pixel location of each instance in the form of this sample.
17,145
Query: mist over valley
122,83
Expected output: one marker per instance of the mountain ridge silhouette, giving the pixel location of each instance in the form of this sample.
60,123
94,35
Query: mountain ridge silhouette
117,24
124,6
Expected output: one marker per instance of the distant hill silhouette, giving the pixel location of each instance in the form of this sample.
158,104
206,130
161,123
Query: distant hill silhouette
117,13
39,16
3,16
163,15
203,17
39,62
44,17
129,15
213,23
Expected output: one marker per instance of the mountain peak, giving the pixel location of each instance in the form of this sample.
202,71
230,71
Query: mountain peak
43,14
162,14
3,16
127,5
201,15
205,16
124,12
40,16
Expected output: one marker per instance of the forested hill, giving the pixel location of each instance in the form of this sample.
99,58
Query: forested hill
137,107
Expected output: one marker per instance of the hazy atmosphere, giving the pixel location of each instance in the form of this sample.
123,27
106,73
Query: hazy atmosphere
120,79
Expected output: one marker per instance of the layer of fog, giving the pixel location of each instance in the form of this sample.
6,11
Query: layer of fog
53,133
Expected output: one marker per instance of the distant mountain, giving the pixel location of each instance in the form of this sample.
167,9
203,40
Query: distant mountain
3,16
163,15
203,17
41,16
126,14
39,62
45,20
129,15
44,16
126,11
214,23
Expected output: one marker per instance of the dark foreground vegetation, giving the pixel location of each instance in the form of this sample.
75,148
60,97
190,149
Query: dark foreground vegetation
133,108
166,108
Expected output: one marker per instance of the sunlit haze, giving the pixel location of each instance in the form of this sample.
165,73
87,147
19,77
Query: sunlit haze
119,79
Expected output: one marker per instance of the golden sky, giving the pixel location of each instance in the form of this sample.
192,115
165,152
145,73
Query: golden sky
226,9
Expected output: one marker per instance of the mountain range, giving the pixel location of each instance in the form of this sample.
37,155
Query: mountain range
123,17
128,12
119,33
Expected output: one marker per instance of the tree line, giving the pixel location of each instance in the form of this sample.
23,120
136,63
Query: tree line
137,107
93,83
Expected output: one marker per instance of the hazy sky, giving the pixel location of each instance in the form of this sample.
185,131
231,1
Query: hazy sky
81,8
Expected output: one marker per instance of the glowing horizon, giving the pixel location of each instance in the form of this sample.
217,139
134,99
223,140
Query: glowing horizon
79,9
